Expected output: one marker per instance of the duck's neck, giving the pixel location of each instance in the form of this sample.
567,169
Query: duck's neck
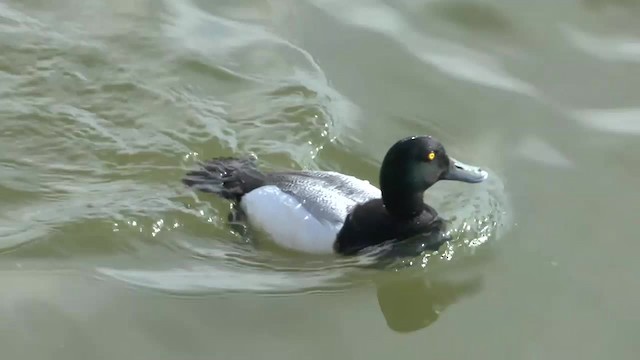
403,204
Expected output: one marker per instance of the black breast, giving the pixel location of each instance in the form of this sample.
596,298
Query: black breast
370,224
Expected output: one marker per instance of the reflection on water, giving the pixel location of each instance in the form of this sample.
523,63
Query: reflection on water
413,303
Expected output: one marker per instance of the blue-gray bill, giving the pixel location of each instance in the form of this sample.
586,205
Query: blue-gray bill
460,171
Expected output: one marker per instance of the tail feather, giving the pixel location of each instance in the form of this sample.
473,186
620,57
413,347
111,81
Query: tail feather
227,177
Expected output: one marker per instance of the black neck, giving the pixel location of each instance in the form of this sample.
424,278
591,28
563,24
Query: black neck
403,204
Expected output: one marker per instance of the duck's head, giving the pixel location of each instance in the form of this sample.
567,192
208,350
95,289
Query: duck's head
414,164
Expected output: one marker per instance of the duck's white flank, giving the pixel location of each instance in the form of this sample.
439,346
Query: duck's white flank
289,224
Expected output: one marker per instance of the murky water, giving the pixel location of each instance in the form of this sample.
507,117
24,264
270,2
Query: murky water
105,104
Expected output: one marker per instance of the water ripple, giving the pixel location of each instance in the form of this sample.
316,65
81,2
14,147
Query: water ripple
611,48
618,121
113,121
450,58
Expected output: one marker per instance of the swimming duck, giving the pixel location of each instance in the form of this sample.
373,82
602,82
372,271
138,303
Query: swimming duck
329,212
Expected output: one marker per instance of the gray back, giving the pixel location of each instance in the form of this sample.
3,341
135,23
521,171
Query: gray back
327,195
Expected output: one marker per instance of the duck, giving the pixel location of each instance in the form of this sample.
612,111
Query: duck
327,212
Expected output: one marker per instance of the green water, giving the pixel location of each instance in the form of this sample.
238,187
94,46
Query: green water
104,105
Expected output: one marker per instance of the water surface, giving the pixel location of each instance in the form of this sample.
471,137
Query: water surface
105,104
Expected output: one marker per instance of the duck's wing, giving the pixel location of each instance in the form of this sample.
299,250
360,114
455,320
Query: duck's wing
327,195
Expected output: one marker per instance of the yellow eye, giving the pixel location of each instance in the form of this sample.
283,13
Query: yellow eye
431,156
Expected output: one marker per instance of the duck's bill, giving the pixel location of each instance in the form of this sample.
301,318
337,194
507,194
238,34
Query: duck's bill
460,171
